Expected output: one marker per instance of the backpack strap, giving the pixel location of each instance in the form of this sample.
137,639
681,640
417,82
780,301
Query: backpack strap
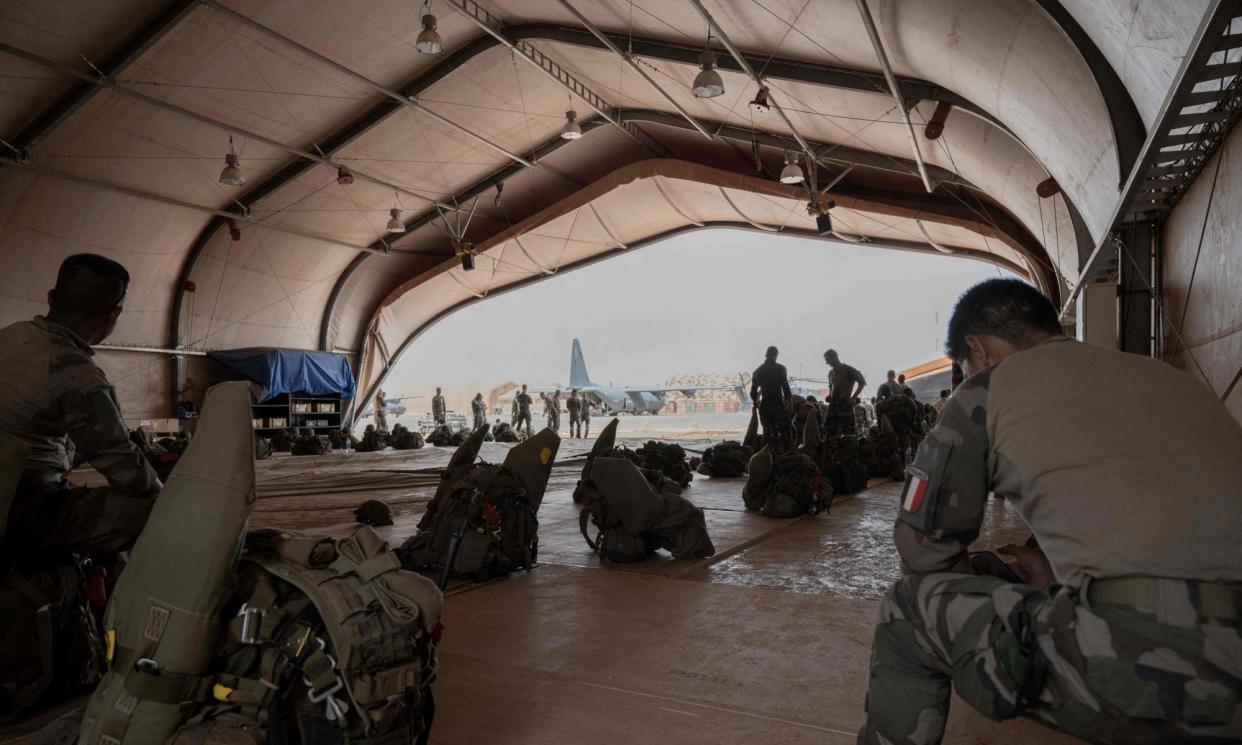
29,694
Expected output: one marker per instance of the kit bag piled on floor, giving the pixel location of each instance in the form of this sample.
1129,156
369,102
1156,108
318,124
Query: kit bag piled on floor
372,441
404,438
784,484
49,641
329,641
633,519
725,459
669,459
309,443
490,510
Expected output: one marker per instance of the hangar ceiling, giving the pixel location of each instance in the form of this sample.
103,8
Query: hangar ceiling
116,118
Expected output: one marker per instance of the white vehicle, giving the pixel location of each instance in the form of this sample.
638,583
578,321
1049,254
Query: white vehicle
456,422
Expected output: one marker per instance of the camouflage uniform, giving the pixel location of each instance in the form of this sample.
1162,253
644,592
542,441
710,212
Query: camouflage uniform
438,409
584,413
479,409
573,404
523,401
381,412
52,391
552,412
1138,641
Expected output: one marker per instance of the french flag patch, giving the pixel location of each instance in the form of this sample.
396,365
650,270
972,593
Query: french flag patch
914,492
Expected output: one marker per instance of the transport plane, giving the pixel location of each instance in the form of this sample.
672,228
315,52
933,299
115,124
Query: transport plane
631,399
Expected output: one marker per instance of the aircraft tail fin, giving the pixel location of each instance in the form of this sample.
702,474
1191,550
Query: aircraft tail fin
577,368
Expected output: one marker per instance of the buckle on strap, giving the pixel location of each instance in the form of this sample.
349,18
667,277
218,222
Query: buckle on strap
252,623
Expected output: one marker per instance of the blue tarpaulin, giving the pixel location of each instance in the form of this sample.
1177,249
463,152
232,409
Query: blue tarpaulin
280,371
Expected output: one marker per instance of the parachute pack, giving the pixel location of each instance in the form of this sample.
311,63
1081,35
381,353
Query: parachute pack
784,483
404,438
309,443
635,510
668,458
373,440
726,459
484,518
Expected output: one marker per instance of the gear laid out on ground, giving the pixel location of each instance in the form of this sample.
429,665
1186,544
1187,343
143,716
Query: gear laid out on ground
727,459
403,438
483,520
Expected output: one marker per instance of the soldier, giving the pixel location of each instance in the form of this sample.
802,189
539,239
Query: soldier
939,403
1124,627
523,401
889,387
574,404
381,411
770,394
438,410
552,410
51,391
842,393
514,413
584,411
478,408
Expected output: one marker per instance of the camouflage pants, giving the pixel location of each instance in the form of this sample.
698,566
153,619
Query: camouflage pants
523,418
1102,672
79,519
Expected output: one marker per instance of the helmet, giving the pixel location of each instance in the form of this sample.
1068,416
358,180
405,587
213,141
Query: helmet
373,512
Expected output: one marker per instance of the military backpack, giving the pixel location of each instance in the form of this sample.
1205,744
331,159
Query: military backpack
726,459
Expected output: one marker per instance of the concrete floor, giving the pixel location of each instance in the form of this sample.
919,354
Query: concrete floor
766,641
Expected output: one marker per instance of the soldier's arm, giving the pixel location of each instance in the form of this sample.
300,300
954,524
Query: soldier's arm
860,381
785,384
89,413
946,487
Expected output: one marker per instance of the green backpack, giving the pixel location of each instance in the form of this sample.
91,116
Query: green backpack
328,641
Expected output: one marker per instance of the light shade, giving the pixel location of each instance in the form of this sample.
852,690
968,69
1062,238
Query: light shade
429,41
571,130
232,174
792,172
823,224
394,223
707,84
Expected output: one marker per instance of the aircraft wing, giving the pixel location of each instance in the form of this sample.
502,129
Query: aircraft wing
686,389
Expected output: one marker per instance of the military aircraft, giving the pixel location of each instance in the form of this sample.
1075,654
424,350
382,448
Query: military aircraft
631,399
392,406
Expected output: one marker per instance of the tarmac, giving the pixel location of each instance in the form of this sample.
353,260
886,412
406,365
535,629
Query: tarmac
767,641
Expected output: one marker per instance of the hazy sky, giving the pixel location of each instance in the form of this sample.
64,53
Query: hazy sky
705,302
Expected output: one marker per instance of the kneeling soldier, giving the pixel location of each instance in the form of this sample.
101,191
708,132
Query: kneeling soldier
1125,626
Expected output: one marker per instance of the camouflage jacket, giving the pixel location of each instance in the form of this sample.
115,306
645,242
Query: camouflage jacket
51,391
1088,464
437,405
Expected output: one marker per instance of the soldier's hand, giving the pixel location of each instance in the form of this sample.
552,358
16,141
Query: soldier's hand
1031,564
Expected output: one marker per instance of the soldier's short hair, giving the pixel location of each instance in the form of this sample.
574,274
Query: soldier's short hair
771,353
87,286
1008,309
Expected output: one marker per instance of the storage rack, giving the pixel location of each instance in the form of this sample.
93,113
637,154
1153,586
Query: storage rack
320,413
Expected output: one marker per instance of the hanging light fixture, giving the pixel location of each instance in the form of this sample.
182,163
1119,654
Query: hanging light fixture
344,176
572,130
792,172
823,217
429,41
465,251
762,103
707,84
232,174
394,223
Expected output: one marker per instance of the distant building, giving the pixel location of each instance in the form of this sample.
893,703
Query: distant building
930,378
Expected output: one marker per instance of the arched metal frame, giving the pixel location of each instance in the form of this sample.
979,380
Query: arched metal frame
1128,129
